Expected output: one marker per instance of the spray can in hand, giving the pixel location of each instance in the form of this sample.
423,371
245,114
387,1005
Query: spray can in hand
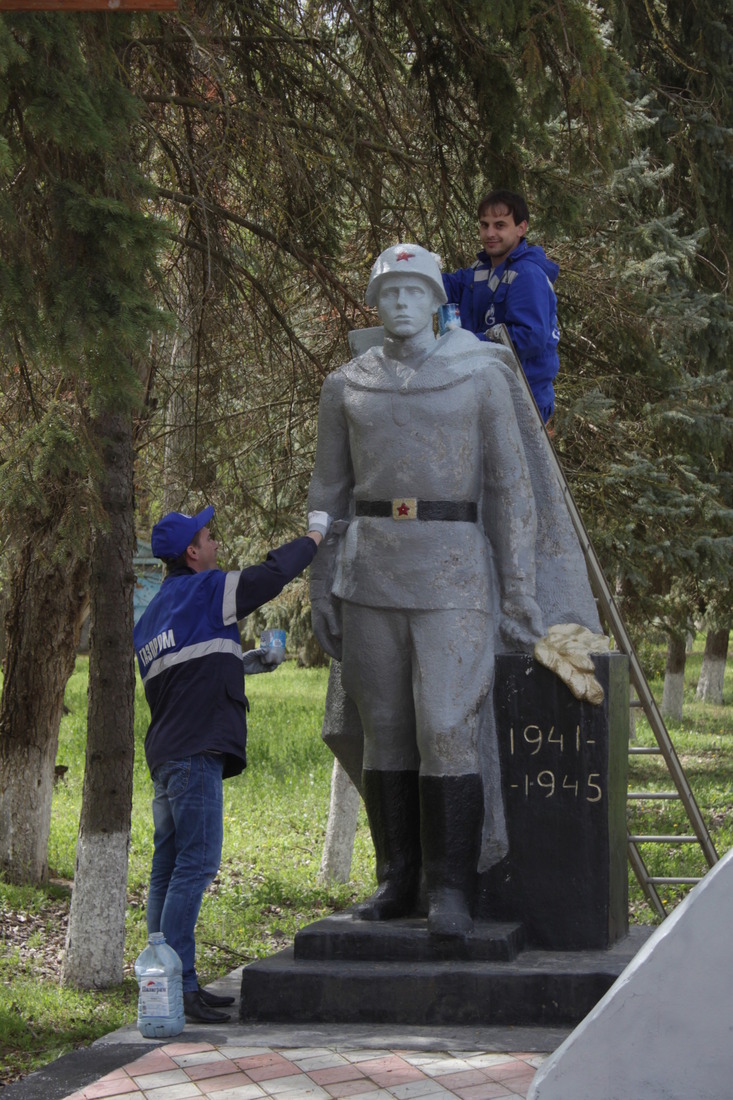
160,1002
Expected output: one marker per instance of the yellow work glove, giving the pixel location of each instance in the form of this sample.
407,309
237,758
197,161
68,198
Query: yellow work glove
566,650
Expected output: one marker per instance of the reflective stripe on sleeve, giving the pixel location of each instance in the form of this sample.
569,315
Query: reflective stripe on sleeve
192,653
229,603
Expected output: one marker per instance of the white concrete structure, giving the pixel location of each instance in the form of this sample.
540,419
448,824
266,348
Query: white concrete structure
664,1030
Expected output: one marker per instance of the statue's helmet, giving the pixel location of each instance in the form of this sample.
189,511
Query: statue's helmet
406,259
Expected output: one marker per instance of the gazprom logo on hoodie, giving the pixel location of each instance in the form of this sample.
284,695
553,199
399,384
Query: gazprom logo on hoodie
155,646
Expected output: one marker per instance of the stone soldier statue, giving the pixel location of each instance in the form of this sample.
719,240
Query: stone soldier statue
419,450
452,541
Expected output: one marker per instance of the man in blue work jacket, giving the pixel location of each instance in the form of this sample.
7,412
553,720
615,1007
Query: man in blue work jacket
511,283
191,663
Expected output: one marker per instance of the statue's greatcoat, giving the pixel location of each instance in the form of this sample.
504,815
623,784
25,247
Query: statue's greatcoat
458,426
445,430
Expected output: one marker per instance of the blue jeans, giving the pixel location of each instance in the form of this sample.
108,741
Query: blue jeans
188,816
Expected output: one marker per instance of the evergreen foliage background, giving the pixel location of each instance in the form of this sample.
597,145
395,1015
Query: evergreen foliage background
283,146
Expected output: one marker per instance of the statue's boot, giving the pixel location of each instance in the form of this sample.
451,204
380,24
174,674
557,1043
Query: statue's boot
393,808
451,814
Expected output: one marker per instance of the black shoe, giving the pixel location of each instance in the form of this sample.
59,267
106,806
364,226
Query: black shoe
213,1000
195,1009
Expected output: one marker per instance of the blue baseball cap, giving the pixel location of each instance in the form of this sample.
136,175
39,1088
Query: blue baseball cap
174,532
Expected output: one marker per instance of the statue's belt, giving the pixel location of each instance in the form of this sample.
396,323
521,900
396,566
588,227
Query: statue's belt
456,511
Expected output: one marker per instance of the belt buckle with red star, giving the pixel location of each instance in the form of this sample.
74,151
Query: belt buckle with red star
404,508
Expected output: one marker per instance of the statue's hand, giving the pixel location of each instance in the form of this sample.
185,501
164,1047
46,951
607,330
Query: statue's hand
326,622
521,620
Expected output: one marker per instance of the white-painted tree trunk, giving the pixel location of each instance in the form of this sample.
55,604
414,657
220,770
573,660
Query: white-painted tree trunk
96,934
710,684
46,600
95,939
338,847
712,672
674,679
25,811
672,695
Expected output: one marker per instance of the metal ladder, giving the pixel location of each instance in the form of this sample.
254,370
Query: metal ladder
644,700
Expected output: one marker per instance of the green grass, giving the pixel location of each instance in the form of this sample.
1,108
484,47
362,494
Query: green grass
40,1020
703,741
275,820
275,817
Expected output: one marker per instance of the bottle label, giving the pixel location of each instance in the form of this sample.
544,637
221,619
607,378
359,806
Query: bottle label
154,997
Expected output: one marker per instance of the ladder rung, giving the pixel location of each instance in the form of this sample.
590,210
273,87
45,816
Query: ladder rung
652,794
673,881
672,839
633,751
642,696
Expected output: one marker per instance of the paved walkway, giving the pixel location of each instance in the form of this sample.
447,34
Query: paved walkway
182,1070
237,1061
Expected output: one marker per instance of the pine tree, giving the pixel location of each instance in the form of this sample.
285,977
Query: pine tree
79,255
647,430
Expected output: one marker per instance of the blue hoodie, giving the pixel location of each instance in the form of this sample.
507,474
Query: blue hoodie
519,294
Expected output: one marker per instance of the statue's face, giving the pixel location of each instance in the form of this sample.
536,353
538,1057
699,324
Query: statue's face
406,305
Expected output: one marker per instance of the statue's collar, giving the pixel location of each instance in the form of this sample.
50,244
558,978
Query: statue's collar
454,359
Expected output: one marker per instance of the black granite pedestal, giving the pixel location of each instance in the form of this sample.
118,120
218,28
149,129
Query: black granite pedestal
551,934
564,776
346,971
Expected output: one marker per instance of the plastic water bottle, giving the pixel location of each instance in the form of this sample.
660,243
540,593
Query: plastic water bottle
273,642
160,1003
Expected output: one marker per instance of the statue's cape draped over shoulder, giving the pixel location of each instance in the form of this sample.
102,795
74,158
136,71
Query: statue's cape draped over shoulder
563,590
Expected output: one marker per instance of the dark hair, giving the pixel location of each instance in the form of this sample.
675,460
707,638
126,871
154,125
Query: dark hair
174,564
514,203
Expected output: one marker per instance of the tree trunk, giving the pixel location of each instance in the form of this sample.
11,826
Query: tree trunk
712,673
96,934
338,847
48,599
674,677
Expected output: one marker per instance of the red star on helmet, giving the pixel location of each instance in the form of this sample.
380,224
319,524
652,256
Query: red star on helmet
405,255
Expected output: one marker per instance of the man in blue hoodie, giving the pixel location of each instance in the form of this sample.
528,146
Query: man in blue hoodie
511,284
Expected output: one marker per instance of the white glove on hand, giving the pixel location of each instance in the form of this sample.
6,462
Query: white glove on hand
257,660
319,522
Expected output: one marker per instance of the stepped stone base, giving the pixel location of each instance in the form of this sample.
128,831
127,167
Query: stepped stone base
343,938
494,982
